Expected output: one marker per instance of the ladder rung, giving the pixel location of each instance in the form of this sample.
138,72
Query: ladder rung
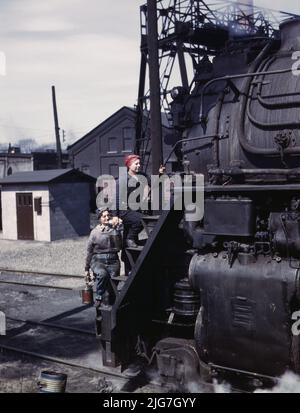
134,248
151,217
119,278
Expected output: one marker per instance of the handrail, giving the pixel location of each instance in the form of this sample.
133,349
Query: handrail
232,77
189,140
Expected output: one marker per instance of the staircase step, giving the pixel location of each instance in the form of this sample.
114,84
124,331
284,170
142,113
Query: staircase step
151,217
119,278
134,249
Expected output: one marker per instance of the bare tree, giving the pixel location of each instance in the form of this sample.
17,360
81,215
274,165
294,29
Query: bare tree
27,145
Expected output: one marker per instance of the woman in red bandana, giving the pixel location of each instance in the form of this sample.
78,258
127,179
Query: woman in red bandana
132,218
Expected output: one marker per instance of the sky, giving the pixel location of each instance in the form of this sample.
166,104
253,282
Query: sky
88,49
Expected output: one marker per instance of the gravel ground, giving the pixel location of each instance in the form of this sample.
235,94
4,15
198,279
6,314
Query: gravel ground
61,257
20,374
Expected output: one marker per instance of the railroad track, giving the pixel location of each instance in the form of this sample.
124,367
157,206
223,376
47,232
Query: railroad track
103,372
113,381
18,342
57,360
38,285
49,341
54,325
129,384
30,275
14,345
39,274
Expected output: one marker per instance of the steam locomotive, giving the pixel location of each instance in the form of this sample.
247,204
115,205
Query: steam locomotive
219,297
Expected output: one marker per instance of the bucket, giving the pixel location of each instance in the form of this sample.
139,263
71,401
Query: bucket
87,295
52,382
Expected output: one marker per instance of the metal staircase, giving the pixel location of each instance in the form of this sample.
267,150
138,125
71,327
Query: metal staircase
117,283
149,222
134,305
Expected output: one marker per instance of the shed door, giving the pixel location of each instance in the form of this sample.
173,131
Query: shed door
24,216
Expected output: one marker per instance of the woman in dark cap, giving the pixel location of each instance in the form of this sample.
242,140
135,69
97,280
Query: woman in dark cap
105,241
132,219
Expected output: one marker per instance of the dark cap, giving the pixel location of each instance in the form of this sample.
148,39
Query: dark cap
100,211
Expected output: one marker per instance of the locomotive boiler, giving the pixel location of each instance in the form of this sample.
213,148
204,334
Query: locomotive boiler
219,297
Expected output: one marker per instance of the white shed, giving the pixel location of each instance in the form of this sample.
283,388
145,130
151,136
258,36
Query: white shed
46,205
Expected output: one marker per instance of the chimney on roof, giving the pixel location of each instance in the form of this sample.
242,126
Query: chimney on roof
13,149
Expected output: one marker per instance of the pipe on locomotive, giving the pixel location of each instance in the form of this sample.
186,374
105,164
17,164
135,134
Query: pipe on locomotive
244,101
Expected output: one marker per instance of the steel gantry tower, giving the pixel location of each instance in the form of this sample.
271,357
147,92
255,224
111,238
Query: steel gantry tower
176,38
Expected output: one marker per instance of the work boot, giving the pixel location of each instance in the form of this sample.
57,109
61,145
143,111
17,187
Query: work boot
132,370
130,243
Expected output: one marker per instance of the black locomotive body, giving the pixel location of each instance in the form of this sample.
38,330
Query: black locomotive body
219,296
248,274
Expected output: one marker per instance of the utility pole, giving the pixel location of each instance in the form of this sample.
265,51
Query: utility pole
58,146
155,113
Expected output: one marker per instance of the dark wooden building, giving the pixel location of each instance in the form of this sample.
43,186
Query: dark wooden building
14,161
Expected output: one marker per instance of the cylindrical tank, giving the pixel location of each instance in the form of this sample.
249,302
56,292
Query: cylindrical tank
246,312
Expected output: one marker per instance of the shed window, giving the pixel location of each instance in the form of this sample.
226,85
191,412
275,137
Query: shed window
38,205
114,170
24,199
127,139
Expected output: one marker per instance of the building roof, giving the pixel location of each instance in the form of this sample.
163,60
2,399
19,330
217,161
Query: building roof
15,155
47,176
124,110
103,125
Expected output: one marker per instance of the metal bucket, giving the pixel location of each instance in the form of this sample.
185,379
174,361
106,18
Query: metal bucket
87,295
52,382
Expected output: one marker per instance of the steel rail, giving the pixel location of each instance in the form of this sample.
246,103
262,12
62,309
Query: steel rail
57,287
93,369
52,325
58,360
33,273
